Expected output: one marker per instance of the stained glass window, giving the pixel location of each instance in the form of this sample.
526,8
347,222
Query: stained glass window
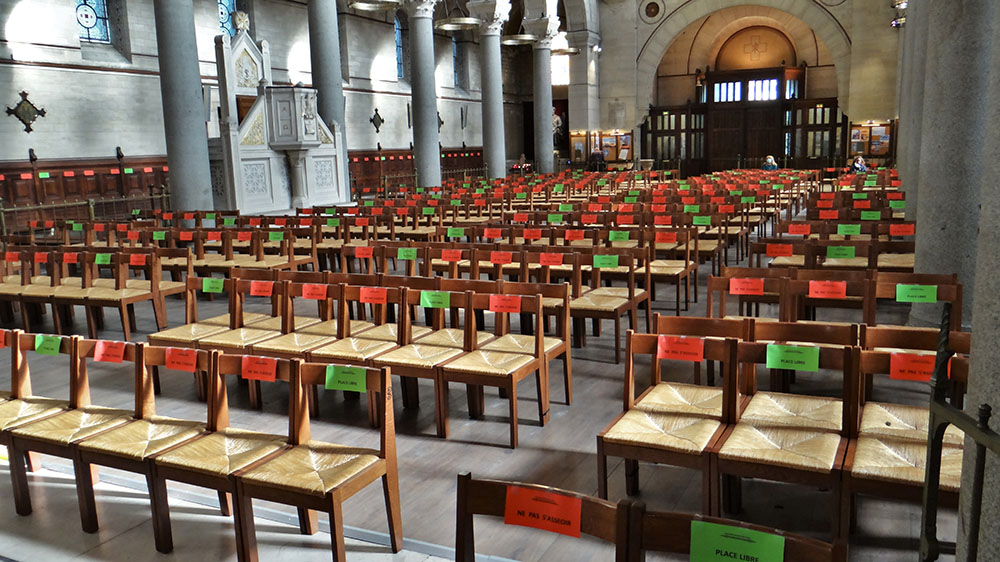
226,10
398,28
92,19
454,60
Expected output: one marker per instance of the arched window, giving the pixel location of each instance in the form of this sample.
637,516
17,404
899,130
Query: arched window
92,21
226,10
400,65
454,60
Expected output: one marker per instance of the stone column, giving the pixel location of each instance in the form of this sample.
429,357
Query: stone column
951,158
324,48
545,28
584,103
426,147
911,115
493,14
183,105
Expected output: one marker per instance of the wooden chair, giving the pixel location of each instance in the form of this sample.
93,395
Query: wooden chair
313,475
670,423
480,366
679,245
658,531
599,306
764,288
806,296
133,446
598,518
56,435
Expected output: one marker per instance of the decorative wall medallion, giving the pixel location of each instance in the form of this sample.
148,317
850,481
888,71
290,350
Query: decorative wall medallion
651,11
377,121
25,112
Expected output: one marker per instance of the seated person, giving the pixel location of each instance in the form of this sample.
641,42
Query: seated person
858,166
769,164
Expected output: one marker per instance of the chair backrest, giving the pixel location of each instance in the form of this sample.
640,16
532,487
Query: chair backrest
168,360
658,531
106,351
745,286
551,508
830,293
20,343
247,367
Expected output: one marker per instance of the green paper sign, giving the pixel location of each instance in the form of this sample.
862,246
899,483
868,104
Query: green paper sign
210,216
840,252
765,181
455,232
420,190
748,199
275,236
602,261
212,285
427,211
129,171
369,203
711,542
849,229
522,195
859,196
794,357
702,220
634,191
406,254
558,188
159,235
346,378
77,227
872,183
102,259
330,211
332,222
871,215
602,182
229,221
136,212
684,188
631,199
554,218
897,204
43,175
566,208
618,236
916,293
455,202
736,192
47,345
480,190
692,208
435,299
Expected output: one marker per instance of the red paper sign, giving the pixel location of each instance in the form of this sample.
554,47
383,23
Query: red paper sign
186,236
825,204
479,202
911,366
828,215
451,255
138,260
573,235
532,234
894,195
121,227
863,204
666,237
687,200
50,224
625,219
779,250
501,258
167,216
314,291
259,368
746,286
33,224
181,359
713,200
602,199
261,288
594,208
244,236
41,257
799,229
727,209
11,256
254,222
625,208
827,195
309,222
550,259
402,211
588,219
376,211
658,208
189,216
72,257
364,252
373,295
902,229
363,221
520,217
680,348
510,304
828,289
211,235
548,511
280,222
661,220
132,235
109,351
491,233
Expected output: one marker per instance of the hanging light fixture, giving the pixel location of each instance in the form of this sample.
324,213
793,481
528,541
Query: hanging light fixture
560,46
456,20
374,5
519,38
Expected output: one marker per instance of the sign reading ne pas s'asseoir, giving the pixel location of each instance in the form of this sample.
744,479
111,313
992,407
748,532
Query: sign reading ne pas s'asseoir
711,542
548,511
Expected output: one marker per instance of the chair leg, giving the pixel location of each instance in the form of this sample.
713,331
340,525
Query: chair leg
631,477
254,390
160,507
596,327
390,489
542,389
85,495
131,317
225,503
19,483
602,471
56,319
513,416
308,521
160,313
126,320
246,533
441,405
618,340
337,532
475,396
567,361
156,380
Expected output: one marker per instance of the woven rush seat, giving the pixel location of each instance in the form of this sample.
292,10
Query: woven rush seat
671,432
35,280
619,292
806,449
726,230
896,421
38,291
222,452
274,322
552,302
625,244
142,438
517,343
329,327
104,293
861,262
489,362
330,244
352,349
789,261
678,265
535,242
390,332
687,399
896,260
240,337
418,355
666,246
173,262
794,410
17,412
294,342
589,301
452,337
140,284
440,263
4,396
312,467
756,318
223,319
902,461
73,425
187,333
860,237
10,289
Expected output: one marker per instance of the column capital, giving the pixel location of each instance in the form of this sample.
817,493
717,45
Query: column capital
494,14
420,8
545,28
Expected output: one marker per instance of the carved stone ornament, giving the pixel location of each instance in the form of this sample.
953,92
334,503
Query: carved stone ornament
422,8
377,121
242,21
25,112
